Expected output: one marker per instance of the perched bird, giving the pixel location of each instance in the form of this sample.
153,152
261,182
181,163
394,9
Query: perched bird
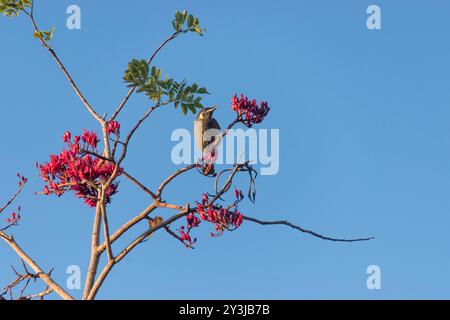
206,133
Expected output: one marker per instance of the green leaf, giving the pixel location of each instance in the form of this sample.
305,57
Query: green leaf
163,89
192,108
38,34
176,25
137,73
11,8
185,22
47,35
183,17
190,21
202,90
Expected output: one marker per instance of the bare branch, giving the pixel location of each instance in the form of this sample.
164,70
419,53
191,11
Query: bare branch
39,273
125,227
227,185
106,231
173,176
140,185
170,206
150,231
40,295
315,234
107,269
66,73
11,200
95,257
26,277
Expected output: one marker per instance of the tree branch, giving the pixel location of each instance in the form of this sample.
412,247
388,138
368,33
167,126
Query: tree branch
315,234
11,200
66,73
95,256
173,176
125,173
131,246
39,273
26,277
140,185
125,227
106,232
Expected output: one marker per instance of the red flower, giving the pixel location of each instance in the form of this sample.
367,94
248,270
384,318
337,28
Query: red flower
14,217
113,127
222,218
248,111
192,221
22,180
72,170
90,138
238,194
185,237
67,136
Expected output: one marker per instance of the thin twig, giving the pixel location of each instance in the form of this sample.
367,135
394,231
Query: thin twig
11,200
174,235
38,271
227,185
106,230
140,185
173,176
64,70
315,234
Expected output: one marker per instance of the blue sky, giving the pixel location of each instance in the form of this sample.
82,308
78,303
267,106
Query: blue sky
364,143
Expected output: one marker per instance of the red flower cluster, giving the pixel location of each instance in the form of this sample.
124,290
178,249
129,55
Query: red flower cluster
73,170
222,218
113,127
22,180
185,237
14,217
89,138
248,111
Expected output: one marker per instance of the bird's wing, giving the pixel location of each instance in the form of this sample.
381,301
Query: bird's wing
213,124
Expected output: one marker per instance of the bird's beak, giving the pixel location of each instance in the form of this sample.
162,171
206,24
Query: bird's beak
214,109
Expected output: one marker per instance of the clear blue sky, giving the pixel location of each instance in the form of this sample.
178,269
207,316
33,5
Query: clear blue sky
365,143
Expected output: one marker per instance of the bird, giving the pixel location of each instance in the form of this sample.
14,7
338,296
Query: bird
206,131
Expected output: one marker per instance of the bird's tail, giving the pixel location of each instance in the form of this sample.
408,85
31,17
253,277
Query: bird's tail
208,159
209,169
